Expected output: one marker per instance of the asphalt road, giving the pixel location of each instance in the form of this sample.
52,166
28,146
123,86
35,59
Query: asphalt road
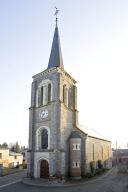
110,182
12,178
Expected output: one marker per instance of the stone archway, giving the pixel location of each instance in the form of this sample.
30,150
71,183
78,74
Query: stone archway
44,169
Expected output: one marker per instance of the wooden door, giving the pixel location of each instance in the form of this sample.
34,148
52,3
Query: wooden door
44,169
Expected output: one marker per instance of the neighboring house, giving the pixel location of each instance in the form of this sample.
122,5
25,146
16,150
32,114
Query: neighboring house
15,159
10,159
58,145
4,157
120,157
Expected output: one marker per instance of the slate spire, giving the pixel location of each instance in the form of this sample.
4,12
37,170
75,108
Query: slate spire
56,59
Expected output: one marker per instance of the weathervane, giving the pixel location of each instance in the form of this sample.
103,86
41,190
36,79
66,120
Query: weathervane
56,13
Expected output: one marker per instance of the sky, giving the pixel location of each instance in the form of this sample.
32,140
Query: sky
94,43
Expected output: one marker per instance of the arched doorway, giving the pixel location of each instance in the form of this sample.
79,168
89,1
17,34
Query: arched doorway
44,169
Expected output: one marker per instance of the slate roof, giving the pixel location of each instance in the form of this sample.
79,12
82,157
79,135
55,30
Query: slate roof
11,153
74,134
56,59
91,132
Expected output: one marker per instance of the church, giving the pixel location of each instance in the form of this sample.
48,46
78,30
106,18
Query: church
58,145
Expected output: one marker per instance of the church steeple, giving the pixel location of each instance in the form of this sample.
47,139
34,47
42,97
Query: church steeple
56,59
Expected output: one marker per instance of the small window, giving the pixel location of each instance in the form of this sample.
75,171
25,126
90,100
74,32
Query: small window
0,155
76,164
15,157
76,147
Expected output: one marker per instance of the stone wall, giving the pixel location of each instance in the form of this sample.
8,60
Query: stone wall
98,149
59,122
5,157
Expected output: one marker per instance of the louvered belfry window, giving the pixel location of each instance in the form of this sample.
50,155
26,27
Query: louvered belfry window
42,94
44,139
69,97
49,92
65,94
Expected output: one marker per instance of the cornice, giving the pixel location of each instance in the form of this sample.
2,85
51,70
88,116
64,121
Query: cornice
53,70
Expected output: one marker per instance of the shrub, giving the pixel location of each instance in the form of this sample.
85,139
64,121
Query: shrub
98,171
58,174
89,175
17,166
104,170
100,165
92,166
24,166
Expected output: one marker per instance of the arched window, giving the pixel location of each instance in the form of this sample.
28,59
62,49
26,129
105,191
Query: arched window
49,92
44,139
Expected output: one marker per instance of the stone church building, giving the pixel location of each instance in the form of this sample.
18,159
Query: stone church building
58,145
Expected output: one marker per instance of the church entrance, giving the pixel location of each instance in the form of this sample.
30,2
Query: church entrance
44,169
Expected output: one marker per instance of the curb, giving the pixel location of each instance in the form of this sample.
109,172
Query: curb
65,185
47,186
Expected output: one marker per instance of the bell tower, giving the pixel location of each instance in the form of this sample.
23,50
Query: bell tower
53,116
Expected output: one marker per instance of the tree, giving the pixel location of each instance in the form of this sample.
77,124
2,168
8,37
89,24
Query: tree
4,145
16,147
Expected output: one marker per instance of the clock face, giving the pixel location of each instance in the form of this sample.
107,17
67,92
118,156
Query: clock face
44,114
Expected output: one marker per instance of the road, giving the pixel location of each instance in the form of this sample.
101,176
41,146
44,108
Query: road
12,178
110,182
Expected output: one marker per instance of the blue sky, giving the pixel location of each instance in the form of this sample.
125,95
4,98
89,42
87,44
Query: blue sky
94,42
